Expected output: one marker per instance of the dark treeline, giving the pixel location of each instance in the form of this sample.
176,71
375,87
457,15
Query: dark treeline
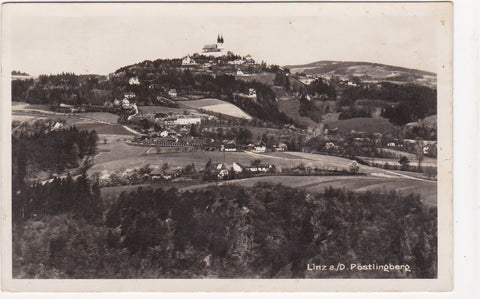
53,151
319,88
265,231
20,88
78,197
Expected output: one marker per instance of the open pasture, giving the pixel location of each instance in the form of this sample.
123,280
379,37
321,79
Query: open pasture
217,106
360,124
160,109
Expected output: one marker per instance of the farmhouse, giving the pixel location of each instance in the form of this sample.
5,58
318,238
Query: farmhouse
237,61
229,146
134,81
260,168
260,149
281,147
172,92
188,61
129,95
66,108
237,167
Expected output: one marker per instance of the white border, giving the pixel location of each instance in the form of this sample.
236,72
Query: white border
466,176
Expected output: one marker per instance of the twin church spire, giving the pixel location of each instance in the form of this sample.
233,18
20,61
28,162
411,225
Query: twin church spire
220,39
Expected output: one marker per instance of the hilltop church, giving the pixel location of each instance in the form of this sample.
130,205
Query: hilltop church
215,50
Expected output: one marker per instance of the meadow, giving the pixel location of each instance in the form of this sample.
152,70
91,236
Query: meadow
217,106
359,124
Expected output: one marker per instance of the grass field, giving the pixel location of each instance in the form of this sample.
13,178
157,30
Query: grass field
116,149
290,108
103,117
217,106
367,125
121,156
427,190
115,129
159,109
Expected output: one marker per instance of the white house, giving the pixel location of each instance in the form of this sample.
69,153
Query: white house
129,95
260,149
237,61
236,167
134,81
172,93
188,120
126,104
188,61
329,145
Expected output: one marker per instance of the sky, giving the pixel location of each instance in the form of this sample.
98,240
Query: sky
102,44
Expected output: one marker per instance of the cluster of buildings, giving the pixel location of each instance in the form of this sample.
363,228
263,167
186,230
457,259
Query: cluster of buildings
259,147
223,170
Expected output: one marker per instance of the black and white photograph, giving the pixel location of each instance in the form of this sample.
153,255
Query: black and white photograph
209,142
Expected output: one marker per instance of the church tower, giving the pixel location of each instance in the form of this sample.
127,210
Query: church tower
220,42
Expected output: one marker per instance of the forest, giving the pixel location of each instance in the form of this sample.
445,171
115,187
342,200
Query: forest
410,102
264,231
40,149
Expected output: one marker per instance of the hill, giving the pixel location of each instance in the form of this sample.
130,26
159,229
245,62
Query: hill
366,71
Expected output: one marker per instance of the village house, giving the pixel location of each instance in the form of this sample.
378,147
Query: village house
237,167
260,149
260,168
66,108
129,95
172,93
329,145
281,147
134,81
229,146
237,62
188,61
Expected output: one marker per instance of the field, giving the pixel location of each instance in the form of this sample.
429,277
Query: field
118,156
427,190
217,106
101,122
367,125
290,107
160,109
108,129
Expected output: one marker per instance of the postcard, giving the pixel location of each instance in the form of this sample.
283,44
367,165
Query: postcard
259,147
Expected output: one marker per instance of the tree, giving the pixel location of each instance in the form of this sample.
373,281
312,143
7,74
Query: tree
403,163
165,166
256,163
74,153
353,167
193,130
419,153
